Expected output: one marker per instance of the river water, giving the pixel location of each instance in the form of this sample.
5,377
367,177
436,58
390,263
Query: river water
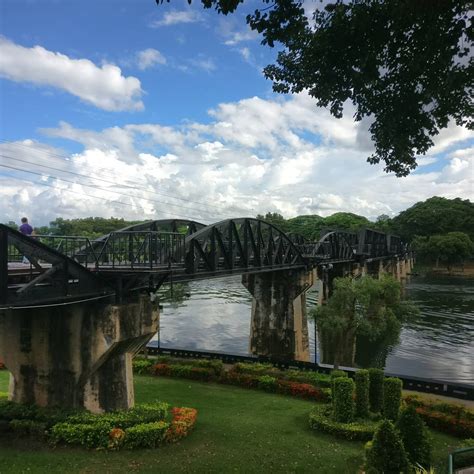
438,344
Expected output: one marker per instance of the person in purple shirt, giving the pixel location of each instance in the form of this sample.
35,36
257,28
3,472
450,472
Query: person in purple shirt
25,228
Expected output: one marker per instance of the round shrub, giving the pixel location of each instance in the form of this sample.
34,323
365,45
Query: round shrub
386,454
342,399
362,393
392,397
376,378
414,436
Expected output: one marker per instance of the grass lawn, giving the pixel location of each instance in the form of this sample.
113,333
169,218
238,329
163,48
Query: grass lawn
238,430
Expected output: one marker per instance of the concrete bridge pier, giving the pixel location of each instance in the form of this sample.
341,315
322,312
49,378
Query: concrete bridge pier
279,324
77,356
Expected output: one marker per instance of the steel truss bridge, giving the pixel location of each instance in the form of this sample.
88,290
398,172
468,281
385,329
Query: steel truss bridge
55,269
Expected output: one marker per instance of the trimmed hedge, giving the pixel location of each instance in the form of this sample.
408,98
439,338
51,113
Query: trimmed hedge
342,399
362,393
335,374
386,453
141,426
321,418
415,436
392,398
89,435
376,378
145,435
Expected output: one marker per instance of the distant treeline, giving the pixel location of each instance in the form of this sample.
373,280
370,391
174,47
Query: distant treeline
435,216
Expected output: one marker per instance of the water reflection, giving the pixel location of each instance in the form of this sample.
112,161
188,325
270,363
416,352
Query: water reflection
437,344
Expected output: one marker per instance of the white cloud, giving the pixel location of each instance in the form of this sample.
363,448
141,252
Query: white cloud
245,53
230,30
177,17
149,58
206,64
105,86
254,156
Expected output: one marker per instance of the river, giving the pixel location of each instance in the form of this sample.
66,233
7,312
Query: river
438,344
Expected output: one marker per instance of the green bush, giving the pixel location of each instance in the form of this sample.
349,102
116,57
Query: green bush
142,366
267,383
255,368
321,418
376,378
415,437
143,413
392,397
386,454
145,435
17,411
28,428
342,399
334,375
362,393
95,435
314,378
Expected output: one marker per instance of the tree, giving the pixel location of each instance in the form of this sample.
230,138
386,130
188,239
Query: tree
365,306
436,215
275,219
403,64
449,249
346,220
383,223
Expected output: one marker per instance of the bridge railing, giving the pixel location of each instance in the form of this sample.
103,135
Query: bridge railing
79,248
140,249
133,249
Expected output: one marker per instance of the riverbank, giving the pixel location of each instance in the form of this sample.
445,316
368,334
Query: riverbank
467,270
238,430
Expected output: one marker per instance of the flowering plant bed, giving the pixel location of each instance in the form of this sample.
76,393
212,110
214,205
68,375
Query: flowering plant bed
449,418
236,376
181,425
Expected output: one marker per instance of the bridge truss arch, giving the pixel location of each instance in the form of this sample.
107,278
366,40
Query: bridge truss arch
333,246
243,245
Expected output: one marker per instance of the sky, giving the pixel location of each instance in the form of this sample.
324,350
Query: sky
128,109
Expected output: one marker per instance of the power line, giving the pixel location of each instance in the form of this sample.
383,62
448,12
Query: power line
90,196
50,154
102,189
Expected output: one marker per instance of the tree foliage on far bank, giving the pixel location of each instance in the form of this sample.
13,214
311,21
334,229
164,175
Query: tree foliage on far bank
404,65
448,249
436,215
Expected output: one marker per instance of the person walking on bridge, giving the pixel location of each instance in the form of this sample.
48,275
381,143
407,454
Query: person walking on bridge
25,228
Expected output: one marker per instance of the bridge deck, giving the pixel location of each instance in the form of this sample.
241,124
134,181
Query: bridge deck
146,255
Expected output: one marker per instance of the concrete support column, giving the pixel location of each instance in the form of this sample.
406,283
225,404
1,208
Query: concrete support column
279,325
75,356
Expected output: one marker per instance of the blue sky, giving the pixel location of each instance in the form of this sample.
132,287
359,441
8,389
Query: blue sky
128,109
